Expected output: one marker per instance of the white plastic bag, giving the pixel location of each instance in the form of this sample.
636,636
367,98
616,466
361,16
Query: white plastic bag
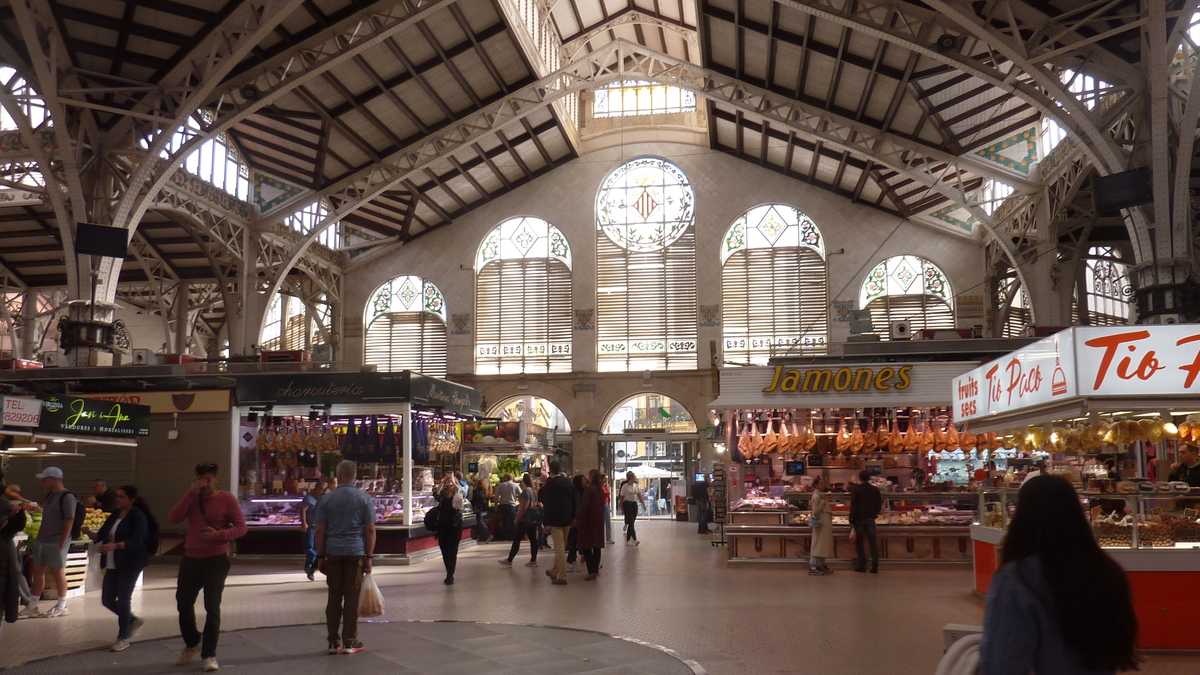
370,598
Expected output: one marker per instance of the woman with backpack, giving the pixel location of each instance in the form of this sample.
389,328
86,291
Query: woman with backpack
529,522
450,524
125,541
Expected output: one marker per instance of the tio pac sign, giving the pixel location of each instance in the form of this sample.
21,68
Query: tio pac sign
1117,361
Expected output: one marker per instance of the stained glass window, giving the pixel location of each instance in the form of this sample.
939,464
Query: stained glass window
523,302
627,98
1107,288
907,288
646,268
774,286
405,323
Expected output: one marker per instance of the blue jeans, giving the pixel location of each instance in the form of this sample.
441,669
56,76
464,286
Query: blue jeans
116,596
310,550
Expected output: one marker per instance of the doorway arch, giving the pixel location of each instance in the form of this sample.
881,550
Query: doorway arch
654,436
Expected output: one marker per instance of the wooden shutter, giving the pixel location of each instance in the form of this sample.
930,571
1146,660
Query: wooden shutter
646,306
771,297
413,341
523,319
921,311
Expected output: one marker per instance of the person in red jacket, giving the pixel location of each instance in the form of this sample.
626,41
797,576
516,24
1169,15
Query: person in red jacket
213,519
589,524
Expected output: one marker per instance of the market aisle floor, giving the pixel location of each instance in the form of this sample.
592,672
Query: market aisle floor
674,590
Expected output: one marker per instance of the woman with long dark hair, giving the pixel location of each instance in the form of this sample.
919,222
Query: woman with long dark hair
124,540
590,523
578,485
1059,604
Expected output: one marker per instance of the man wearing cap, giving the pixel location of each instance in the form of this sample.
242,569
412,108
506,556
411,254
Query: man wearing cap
53,540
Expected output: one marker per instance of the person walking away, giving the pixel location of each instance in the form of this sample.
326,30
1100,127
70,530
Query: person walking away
865,504
308,523
213,519
104,497
822,529
589,524
527,524
12,520
631,498
558,505
1059,604
507,496
124,541
450,502
345,546
578,485
703,506
60,512
479,504
606,489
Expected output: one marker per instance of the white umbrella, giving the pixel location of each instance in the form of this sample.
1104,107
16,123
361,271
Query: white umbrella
644,472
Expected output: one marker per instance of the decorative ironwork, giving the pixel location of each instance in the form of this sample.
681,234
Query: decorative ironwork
897,276
523,238
407,294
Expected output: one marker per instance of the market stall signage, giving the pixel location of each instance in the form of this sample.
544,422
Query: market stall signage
821,380
313,388
85,417
1117,361
167,402
20,411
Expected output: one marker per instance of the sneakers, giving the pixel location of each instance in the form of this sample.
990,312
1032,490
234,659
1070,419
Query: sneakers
57,612
32,612
119,646
135,625
353,647
531,563
311,575
211,665
186,656
335,646
506,562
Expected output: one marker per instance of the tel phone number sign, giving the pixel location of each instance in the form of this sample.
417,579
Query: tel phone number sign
87,417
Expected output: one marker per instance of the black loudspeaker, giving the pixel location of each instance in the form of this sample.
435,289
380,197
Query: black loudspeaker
101,240
1118,191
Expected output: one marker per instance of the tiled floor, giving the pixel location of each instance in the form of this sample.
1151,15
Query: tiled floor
674,590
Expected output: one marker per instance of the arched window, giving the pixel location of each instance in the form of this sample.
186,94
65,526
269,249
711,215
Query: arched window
1018,318
1106,288
774,286
284,327
907,288
645,268
523,299
406,327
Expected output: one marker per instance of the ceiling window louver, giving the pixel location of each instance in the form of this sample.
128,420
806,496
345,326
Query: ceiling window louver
523,301
406,327
907,288
284,326
774,286
1018,319
645,269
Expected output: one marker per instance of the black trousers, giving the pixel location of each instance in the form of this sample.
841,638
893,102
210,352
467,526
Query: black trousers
344,575
591,556
704,515
572,545
195,575
448,539
508,522
531,533
117,594
864,534
631,512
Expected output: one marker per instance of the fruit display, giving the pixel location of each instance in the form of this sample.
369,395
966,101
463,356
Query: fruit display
93,519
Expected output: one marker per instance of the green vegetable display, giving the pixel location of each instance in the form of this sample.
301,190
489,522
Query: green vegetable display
511,466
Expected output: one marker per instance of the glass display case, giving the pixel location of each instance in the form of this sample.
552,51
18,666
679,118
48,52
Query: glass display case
284,511
1155,516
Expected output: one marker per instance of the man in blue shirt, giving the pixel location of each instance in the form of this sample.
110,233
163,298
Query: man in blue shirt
345,546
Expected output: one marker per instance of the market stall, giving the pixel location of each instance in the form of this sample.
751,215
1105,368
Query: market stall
404,430
1111,406
784,425
62,431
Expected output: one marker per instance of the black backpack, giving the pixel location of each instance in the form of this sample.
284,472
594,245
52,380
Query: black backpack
433,518
80,514
151,533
